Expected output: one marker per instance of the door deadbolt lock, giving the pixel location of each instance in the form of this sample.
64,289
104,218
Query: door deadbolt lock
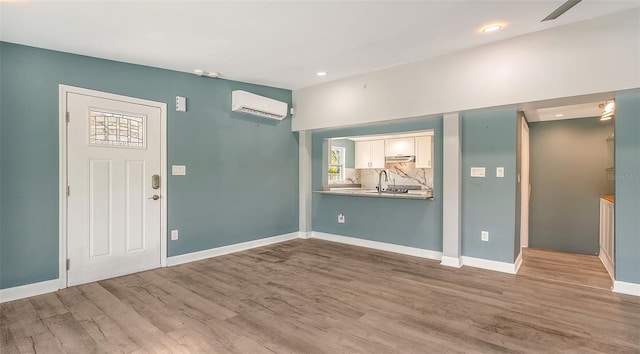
155,181
155,197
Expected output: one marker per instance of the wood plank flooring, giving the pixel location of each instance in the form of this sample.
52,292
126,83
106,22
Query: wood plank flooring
312,296
570,268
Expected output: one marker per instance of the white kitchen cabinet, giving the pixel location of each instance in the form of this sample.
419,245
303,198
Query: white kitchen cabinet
423,152
370,154
400,147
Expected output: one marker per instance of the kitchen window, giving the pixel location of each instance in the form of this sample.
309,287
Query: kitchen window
336,164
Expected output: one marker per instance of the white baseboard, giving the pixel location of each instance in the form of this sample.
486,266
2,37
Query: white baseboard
304,234
219,251
626,288
607,263
20,292
518,262
451,262
488,264
383,246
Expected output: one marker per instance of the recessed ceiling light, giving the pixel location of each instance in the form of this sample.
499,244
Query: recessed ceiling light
321,73
492,28
559,115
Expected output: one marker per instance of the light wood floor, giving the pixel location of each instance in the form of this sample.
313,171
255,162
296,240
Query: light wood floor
311,296
571,268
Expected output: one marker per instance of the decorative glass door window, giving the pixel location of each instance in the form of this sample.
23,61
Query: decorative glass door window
113,129
336,164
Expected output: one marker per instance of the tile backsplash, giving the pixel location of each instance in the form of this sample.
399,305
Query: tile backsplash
351,176
404,174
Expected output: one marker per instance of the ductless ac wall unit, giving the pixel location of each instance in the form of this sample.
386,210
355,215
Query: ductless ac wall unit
247,102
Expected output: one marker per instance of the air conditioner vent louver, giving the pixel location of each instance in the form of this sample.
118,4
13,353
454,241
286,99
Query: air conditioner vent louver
247,102
260,113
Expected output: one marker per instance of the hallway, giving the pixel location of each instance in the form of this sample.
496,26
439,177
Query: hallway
562,267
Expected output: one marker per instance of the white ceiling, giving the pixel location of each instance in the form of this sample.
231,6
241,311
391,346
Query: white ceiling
283,43
389,136
583,110
586,106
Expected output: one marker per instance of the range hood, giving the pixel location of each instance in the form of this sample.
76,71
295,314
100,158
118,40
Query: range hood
396,159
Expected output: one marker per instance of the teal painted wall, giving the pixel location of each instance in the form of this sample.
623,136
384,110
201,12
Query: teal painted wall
349,151
242,172
1,114
627,201
413,223
489,203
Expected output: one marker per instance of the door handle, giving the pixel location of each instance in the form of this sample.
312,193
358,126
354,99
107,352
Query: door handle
155,197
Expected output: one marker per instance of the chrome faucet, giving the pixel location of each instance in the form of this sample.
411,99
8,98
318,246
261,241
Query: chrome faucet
386,179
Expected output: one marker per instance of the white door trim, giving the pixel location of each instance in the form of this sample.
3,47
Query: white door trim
525,188
62,143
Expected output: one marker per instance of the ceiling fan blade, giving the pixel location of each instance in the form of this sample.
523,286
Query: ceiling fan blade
560,10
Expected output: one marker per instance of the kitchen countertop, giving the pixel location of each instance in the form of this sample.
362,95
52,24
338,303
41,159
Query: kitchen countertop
609,198
372,193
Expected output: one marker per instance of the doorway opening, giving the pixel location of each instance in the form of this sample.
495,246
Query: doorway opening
567,159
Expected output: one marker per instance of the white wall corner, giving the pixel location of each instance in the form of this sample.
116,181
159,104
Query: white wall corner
497,266
626,288
220,251
382,246
304,181
304,234
518,262
451,262
452,189
23,291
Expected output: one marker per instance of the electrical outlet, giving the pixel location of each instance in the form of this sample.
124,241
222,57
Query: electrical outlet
499,171
484,235
174,235
340,218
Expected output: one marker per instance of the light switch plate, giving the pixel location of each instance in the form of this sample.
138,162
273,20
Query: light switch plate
477,171
174,235
181,104
499,171
178,170
484,235
340,218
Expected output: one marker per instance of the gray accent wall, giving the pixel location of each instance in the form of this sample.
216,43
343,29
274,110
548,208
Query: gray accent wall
569,159
488,204
627,202
413,223
242,171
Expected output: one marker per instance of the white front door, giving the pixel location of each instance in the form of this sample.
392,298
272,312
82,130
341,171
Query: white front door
113,207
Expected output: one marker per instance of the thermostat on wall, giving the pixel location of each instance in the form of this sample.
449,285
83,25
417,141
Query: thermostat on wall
477,171
178,170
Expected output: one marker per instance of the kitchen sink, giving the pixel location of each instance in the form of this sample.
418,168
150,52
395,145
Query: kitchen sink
389,192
